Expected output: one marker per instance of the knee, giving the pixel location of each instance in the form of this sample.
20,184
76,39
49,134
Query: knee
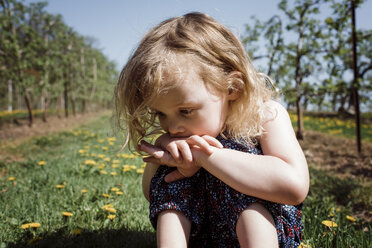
256,212
256,228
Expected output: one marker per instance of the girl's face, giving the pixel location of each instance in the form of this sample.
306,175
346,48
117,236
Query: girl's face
189,108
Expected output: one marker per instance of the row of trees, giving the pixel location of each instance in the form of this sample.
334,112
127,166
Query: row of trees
48,64
313,65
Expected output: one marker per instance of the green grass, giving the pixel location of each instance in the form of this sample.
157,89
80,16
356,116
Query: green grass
75,161
334,126
33,196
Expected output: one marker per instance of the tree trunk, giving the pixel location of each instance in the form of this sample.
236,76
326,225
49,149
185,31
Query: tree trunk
83,106
73,106
46,103
300,124
355,84
28,104
93,91
65,94
59,106
10,95
298,79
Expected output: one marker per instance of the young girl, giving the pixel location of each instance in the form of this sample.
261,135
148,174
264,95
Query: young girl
227,169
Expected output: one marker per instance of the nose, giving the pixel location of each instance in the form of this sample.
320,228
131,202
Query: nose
175,128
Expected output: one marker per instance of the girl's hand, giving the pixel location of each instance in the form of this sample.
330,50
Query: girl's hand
175,152
198,144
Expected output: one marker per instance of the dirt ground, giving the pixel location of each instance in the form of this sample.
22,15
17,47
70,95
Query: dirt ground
19,132
338,155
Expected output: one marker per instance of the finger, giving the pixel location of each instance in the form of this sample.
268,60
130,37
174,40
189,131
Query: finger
173,176
185,151
198,141
212,141
173,150
152,160
151,149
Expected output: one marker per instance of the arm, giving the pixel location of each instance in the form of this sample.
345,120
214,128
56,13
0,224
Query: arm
149,172
280,175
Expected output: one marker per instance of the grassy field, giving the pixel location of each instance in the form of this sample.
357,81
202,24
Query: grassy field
71,189
334,126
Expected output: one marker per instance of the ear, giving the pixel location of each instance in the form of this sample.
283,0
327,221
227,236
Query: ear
236,84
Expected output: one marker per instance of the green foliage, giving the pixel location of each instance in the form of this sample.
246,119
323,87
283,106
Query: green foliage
44,58
318,50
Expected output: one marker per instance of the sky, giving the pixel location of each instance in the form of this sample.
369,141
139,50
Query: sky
119,25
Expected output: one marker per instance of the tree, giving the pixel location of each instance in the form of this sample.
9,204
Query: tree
301,54
44,59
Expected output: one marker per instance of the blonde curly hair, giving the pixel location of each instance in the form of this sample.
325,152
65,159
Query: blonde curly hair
219,59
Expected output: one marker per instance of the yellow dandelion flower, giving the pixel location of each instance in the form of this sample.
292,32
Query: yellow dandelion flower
103,172
143,165
11,178
111,210
118,192
124,155
331,214
116,161
115,189
77,231
115,166
106,195
90,162
30,225
350,218
105,148
93,155
111,216
35,225
140,171
100,140
302,245
126,169
60,186
67,214
329,223
81,151
111,143
101,156
84,191
107,159
133,167
102,165
113,173
111,138
42,162
108,206
96,146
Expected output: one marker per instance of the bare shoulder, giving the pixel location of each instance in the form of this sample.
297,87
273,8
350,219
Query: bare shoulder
273,111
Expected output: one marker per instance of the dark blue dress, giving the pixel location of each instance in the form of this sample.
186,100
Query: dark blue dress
214,207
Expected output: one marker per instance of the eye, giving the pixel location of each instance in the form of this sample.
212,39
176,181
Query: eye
159,114
186,111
